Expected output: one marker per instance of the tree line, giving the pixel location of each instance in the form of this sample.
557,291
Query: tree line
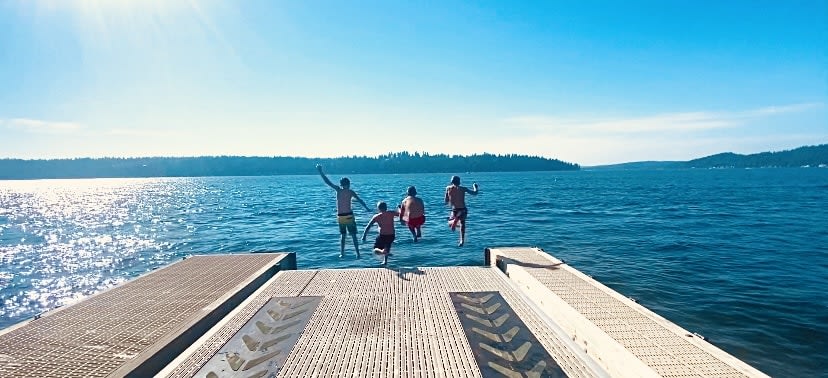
810,156
399,162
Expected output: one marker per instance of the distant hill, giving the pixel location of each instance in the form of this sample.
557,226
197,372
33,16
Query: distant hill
402,162
807,156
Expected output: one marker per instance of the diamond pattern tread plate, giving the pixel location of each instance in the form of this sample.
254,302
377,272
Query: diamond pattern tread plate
658,345
129,323
260,347
501,344
390,323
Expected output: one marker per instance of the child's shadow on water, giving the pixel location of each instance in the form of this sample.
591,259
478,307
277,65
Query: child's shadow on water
404,273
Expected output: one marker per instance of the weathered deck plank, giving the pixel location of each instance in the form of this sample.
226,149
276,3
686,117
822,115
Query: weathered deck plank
138,327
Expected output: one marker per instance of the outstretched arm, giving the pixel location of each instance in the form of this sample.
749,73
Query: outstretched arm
368,227
361,201
325,178
473,191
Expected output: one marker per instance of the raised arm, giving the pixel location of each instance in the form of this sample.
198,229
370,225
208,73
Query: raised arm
473,191
361,201
325,178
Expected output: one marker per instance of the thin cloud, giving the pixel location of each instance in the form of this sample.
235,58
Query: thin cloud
774,110
658,123
41,126
150,133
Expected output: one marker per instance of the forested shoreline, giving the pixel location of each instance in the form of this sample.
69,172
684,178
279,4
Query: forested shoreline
401,162
806,156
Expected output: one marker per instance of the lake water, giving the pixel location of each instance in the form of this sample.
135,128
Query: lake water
739,256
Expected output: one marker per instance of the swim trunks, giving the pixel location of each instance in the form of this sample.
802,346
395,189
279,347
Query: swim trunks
346,222
415,222
384,242
459,213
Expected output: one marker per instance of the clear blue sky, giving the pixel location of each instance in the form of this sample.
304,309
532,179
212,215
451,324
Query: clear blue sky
582,81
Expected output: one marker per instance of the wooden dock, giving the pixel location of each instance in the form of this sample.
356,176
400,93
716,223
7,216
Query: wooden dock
523,314
138,327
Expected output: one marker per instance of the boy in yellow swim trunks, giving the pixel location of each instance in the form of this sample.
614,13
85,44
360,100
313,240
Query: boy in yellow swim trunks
344,213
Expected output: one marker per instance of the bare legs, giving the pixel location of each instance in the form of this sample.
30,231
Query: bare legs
342,245
453,225
462,233
384,252
416,233
356,243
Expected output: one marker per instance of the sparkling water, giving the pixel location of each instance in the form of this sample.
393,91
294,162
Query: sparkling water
739,256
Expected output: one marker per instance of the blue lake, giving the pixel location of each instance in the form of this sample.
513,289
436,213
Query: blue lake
739,256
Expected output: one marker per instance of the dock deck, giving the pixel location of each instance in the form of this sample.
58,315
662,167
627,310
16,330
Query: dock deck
138,327
524,314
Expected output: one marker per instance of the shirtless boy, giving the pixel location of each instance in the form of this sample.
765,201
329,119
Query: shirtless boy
385,220
344,213
456,197
412,213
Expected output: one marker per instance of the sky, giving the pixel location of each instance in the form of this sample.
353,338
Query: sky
587,82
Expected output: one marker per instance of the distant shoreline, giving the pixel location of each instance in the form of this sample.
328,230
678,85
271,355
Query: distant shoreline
393,163
220,166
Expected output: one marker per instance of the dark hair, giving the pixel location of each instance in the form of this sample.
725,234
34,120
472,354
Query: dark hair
455,180
382,206
412,191
345,182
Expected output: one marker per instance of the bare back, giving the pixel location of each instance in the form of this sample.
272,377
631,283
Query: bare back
343,201
385,221
456,196
412,207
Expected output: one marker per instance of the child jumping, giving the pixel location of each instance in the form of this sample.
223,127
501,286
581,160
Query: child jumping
456,197
344,213
412,213
385,220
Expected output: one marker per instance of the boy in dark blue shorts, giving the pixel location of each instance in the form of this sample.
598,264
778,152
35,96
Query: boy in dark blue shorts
385,220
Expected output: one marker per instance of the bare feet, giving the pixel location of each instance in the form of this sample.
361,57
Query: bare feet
461,243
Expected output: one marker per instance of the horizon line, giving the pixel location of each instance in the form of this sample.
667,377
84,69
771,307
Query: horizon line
387,153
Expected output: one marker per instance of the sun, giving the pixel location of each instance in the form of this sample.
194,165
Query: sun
106,23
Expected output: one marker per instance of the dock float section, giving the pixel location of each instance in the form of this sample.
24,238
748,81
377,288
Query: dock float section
522,314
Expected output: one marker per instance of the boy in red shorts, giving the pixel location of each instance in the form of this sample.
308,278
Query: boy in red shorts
412,213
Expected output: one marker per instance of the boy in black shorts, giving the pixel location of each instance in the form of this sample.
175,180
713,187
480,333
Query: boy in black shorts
385,220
